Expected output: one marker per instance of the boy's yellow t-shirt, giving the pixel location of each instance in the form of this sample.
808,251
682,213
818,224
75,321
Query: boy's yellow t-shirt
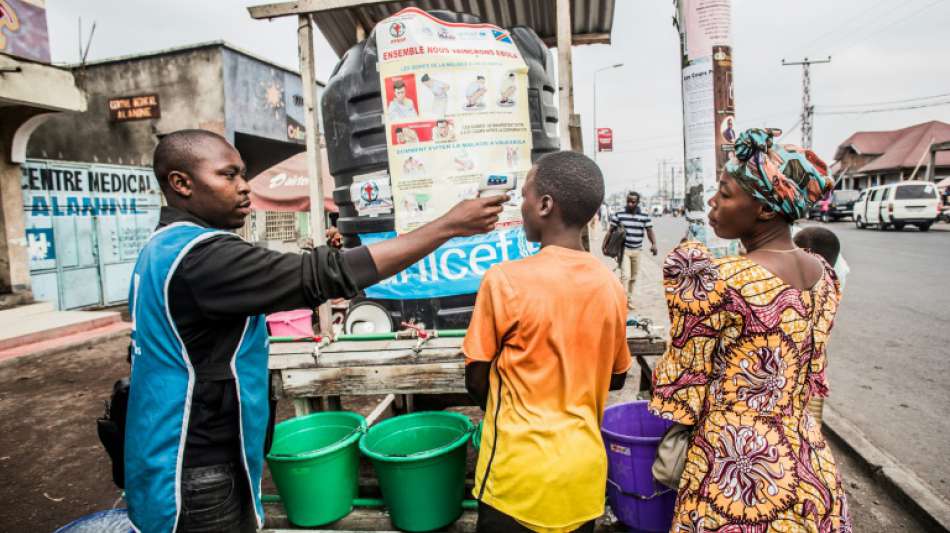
554,325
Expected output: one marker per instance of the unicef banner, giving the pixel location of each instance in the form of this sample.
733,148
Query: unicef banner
455,268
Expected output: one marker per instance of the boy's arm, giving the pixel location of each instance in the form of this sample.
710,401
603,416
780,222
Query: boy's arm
491,323
622,359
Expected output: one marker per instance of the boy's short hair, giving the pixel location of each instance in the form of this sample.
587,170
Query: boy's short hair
480,78
399,84
634,193
574,181
180,150
425,78
820,240
441,121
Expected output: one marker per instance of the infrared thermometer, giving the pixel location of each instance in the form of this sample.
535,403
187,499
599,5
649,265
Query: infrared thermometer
496,184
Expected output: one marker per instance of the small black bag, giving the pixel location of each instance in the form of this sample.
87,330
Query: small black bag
614,242
111,429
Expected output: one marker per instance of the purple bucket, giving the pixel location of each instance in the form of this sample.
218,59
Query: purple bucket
631,435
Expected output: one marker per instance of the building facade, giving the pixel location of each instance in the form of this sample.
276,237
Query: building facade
31,92
89,196
870,158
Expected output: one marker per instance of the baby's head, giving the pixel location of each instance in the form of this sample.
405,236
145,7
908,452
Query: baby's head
820,241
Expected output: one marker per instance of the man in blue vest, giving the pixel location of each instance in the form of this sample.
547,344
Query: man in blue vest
198,407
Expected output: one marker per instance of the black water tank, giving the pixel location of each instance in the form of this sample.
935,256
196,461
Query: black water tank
353,119
356,145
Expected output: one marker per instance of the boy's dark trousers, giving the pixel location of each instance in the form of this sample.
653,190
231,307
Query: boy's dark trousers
491,520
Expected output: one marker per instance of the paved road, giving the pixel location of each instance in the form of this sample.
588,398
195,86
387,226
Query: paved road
889,354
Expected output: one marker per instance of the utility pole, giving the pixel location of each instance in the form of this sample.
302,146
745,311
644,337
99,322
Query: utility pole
808,110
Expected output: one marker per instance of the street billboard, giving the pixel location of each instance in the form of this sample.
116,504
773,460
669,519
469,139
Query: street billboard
708,23
605,140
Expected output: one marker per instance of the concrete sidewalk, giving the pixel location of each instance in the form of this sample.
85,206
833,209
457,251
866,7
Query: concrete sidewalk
38,328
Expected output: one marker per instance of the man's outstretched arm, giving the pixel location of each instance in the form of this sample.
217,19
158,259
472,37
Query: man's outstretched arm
470,217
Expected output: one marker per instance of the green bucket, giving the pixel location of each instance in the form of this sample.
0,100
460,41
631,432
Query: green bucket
314,461
420,462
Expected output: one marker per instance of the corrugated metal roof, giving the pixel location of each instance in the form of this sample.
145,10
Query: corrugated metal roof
897,149
592,20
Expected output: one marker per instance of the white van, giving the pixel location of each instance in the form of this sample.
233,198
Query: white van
898,204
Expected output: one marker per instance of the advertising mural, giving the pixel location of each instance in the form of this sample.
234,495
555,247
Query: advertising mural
23,30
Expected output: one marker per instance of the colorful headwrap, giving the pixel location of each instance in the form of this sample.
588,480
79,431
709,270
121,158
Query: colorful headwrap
786,178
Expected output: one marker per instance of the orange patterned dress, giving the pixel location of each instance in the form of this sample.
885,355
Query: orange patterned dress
747,352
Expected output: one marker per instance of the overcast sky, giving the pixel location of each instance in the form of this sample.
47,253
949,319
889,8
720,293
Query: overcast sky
882,51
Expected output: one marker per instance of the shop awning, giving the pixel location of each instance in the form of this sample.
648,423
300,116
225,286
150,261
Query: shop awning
285,187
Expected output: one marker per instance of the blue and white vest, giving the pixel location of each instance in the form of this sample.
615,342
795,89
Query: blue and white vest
163,381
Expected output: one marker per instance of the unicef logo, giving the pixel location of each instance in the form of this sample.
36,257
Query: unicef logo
397,29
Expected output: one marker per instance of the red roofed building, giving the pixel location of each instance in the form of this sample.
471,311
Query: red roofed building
870,158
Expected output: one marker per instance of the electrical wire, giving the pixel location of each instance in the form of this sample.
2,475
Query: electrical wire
837,29
903,101
884,109
876,31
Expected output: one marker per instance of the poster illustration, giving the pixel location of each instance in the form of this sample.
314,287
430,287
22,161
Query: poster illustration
456,114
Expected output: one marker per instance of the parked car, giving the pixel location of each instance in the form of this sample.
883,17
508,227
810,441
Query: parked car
837,205
898,204
656,210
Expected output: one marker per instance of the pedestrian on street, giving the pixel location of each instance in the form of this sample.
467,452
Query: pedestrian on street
198,412
635,223
747,354
546,342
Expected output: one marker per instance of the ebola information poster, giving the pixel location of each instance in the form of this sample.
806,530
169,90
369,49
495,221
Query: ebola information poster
456,115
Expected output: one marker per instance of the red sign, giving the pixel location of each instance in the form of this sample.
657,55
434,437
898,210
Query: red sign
605,140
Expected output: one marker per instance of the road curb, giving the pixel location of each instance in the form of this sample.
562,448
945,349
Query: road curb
74,345
926,505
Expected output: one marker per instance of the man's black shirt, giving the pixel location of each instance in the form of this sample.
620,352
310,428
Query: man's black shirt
220,282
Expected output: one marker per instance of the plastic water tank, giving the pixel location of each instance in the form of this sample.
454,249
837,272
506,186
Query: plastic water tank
353,119
356,145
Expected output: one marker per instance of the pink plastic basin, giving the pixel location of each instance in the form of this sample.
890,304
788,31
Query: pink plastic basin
295,323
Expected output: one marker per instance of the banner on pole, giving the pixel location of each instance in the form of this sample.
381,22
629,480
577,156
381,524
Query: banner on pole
605,140
456,114
708,24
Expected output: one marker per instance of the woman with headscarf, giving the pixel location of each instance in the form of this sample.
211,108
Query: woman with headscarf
747,352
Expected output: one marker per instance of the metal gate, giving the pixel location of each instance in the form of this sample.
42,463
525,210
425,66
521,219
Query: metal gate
85,225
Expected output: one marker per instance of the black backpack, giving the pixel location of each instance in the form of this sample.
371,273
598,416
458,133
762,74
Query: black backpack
614,242
111,428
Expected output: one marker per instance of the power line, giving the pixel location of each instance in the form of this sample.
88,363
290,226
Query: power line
884,109
904,101
837,29
878,29
862,29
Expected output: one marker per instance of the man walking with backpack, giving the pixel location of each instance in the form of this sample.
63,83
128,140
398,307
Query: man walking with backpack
635,224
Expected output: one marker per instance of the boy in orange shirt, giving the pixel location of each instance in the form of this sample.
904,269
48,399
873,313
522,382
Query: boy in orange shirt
546,342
